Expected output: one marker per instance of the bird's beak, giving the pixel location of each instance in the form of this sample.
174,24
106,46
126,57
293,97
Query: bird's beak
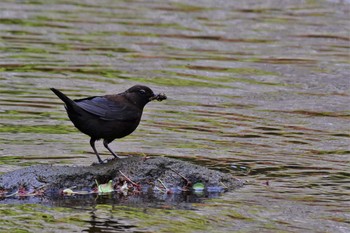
159,97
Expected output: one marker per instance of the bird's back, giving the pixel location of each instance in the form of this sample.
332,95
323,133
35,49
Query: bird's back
107,117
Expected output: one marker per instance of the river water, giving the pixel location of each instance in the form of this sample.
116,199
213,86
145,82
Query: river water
259,89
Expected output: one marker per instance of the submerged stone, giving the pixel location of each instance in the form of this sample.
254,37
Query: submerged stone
152,174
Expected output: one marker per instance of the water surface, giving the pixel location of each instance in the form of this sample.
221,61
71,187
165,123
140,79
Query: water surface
257,89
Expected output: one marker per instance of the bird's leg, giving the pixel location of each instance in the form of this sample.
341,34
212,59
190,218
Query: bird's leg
105,143
92,143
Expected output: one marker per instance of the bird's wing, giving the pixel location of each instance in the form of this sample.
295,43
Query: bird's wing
108,110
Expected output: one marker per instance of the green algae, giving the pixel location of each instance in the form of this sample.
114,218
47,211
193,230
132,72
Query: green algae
35,218
44,129
91,70
225,77
238,70
165,220
190,8
165,81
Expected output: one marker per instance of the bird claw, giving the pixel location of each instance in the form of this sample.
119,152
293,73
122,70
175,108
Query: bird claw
110,160
105,161
96,163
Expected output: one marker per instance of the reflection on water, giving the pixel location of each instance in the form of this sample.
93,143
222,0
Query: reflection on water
257,89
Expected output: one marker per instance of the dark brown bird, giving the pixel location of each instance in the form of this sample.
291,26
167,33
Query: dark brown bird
109,117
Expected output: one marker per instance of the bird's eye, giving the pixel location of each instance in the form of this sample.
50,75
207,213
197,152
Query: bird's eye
142,92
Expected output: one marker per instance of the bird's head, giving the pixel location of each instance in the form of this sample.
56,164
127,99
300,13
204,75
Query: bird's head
141,95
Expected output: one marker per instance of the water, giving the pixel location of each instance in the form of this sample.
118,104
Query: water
257,89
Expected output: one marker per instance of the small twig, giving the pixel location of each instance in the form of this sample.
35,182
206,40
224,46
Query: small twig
40,190
128,179
72,187
223,185
159,189
189,183
42,186
12,194
164,186
180,175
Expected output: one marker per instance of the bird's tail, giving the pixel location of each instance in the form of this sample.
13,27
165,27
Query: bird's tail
69,103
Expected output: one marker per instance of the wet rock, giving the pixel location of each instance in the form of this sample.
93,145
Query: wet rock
174,174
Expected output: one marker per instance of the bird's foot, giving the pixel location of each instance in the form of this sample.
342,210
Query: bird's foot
105,161
110,159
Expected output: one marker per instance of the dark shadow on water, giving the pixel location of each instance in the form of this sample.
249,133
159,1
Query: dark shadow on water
106,225
179,200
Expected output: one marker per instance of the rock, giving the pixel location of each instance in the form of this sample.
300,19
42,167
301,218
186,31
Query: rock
175,174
